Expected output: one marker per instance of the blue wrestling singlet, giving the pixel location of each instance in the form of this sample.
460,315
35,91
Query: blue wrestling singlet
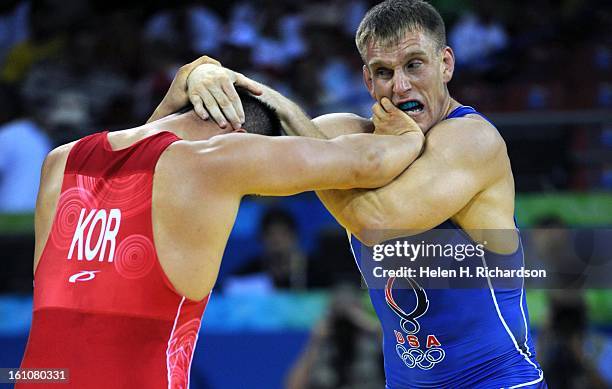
455,338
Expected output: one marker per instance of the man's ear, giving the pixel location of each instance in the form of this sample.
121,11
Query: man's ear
448,64
367,79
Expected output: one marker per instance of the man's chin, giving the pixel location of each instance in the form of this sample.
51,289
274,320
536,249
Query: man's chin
416,115
421,121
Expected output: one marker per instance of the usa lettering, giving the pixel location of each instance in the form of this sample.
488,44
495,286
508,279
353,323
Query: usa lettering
96,246
413,341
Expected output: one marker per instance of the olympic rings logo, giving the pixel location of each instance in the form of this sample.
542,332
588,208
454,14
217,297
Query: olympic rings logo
415,357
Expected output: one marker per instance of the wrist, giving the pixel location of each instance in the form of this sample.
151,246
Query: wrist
174,103
271,98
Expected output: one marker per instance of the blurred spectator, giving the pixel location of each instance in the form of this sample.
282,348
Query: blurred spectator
194,26
13,25
477,38
354,11
243,25
167,26
567,351
23,148
571,354
553,248
280,40
68,116
343,351
331,262
78,95
205,30
282,264
161,65
42,43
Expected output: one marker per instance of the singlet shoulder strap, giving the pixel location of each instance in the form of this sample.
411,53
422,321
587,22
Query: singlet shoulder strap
81,149
144,154
464,110
94,156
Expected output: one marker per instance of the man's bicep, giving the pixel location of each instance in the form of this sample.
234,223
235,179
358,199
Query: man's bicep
337,124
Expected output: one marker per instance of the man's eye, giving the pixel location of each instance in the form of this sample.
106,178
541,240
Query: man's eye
383,73
414,65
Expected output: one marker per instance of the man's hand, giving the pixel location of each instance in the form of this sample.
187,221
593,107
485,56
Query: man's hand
214,88
390,120
176,97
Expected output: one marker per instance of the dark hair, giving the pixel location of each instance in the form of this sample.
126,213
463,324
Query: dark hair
259,117
389,21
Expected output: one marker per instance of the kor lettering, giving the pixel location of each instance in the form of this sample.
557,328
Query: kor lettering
96,246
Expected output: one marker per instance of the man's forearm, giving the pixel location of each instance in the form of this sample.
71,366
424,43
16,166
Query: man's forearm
163,109
349,206
295,121
176,96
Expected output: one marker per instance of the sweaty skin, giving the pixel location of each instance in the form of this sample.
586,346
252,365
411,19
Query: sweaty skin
200,181
463,173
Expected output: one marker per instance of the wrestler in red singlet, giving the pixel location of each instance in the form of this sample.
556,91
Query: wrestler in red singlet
103,307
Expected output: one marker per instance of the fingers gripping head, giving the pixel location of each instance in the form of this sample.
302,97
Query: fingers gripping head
260,118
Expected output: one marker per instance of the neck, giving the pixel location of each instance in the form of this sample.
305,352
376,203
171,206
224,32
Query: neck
449,105
187,126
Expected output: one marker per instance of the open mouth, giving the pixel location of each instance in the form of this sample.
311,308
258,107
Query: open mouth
412,106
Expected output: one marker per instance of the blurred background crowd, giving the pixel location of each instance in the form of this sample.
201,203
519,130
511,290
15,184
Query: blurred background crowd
542,72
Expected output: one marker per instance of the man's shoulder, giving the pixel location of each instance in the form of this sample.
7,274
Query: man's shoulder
206,161
188,152
471,139
342,116
57,156
353,122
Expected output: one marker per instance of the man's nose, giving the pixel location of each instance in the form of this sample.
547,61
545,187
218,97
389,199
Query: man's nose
401,83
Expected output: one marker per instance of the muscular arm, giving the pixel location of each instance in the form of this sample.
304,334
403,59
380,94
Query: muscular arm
461,157
252,164
49,190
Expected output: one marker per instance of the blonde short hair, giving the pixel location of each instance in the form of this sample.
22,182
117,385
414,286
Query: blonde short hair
388,22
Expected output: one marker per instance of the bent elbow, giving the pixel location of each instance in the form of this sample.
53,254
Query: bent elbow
366,239
368,227
369,236
386,163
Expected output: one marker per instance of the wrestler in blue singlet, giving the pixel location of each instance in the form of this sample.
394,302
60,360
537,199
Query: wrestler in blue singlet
455,338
